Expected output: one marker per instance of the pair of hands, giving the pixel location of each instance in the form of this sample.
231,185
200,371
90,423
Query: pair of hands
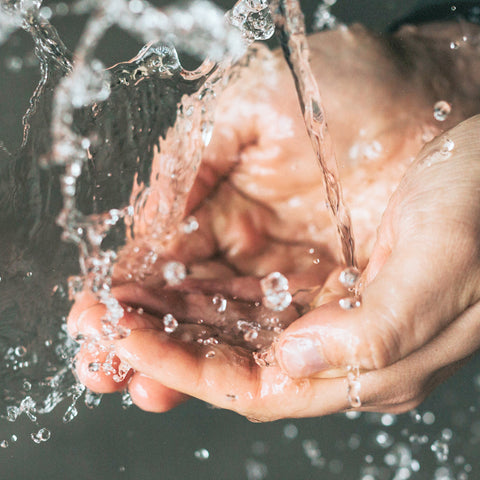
259,204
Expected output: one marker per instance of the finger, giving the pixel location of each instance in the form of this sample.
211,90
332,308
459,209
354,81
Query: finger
90,372
152,396
90,322
414,289
83,301
229,379
405,384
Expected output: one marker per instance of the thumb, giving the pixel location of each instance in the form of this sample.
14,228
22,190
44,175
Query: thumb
421,276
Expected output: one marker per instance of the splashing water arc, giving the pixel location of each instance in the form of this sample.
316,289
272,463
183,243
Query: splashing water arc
109,131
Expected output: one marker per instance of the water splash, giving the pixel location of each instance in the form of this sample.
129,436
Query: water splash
291,29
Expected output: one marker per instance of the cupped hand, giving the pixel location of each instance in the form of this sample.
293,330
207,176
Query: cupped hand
257,202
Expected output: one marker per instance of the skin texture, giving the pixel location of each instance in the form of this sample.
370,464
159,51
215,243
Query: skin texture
258,200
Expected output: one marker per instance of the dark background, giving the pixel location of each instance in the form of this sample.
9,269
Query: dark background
110,443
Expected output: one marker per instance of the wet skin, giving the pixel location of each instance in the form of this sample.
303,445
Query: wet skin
257,202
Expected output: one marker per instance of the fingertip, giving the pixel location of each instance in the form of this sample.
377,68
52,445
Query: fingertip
90,372
152,396
83,301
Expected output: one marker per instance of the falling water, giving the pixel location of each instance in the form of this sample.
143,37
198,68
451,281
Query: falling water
291,29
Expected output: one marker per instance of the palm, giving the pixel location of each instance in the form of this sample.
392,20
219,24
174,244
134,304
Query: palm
259,202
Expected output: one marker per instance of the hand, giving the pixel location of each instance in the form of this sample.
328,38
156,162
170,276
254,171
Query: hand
374,336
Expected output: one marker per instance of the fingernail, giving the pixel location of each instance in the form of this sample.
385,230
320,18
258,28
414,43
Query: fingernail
301,357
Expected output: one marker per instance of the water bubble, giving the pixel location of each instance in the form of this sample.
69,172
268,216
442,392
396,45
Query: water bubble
353,415
384,440
441,110
4,444
417,439
14,438
20,351
428,418
92,399
126,401
136,6
400,455
190,225
255,470
46,12
388,419
210,354
265,357
349,303
354,441
447,434
43,435
250,335
441,450
27,386
13,413
202,454
312,451
275,290
349,277
253,19
220,302
323,19
94,367
174,273
70,414
454,45
14,64
354,386
290,431
170,323
29,407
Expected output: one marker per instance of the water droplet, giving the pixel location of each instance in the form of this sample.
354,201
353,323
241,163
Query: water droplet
354,386
14,438
383,439
4,444
210,354
43,435
20,351
441,450
275,290
441,110
253,18
290,431
12,413
349,303
190,225
14,64
428,418
126,401
250,335
94,367
170,323
220,302
92,399
70,414
349,277
454,45
202,454
174,273
255,470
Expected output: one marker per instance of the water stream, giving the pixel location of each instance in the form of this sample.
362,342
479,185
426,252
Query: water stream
118,157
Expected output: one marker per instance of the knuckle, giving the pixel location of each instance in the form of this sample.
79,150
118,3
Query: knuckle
382,343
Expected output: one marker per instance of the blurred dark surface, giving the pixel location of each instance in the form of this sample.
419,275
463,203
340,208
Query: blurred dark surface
109,443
